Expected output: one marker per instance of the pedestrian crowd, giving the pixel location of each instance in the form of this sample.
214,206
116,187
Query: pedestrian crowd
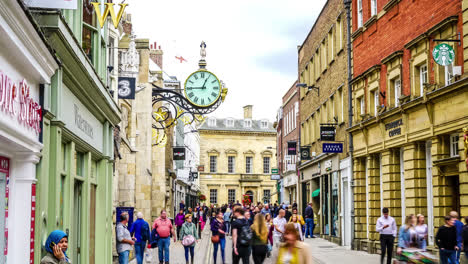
451,238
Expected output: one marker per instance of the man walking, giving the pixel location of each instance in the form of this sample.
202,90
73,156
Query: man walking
241,237
266,210
309,219
124,240
446,240
387,228
141,232
459,227
164,228
279,222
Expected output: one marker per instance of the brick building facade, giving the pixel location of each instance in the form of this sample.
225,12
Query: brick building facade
408,114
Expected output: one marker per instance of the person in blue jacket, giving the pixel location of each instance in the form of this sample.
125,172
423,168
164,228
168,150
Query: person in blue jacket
459,228
141,232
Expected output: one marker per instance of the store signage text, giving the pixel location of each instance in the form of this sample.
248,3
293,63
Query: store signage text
82,124
109,9
394,127
178,153
16,101
332,148
292,146
327,133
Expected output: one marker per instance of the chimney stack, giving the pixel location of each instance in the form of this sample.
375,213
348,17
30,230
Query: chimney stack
248,112
156,55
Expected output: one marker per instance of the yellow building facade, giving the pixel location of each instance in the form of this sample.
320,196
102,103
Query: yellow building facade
237,156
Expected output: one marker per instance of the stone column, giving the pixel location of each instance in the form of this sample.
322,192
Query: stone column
373,181
391,183
463,173
441,189
415,178
359,179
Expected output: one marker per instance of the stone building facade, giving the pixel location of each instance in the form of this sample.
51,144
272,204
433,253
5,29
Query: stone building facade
237,156
409,113
324,180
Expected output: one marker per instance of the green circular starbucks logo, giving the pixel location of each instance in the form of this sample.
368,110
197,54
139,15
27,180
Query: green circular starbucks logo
443,54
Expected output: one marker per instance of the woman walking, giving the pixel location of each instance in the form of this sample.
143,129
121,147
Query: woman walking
227,220
421,231
218,231
407,236
270,226
293,250
201,220
295,220
56,247
260,239
179,221
189,236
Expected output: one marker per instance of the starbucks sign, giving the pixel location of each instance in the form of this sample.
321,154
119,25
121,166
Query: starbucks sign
443,54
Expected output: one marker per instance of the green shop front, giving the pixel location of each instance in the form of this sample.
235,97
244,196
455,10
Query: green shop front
74,190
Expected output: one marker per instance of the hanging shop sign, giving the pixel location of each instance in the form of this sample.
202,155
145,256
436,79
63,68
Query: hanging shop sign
394,128
201,168
332,148
327,133
275,177
443,54
126,87
274,171
55,4
292,148
305,153
178,153
328,165
194,175
109,9
15,101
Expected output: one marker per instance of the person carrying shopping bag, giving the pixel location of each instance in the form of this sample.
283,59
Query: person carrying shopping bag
218,231
189,236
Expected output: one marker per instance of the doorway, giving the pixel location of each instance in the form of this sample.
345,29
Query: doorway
454,186
251,196
77,209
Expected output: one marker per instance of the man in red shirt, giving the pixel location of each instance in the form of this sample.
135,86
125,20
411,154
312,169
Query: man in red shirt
163,226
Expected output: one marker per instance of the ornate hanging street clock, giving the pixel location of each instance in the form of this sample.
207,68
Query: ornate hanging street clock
202,88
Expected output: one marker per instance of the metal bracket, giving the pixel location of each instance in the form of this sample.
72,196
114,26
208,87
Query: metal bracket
450,40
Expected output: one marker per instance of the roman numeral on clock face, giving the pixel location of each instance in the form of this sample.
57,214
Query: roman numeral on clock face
202,101
215,88
213,81
214,94
190,94
195,99
190,82
202,74
195,76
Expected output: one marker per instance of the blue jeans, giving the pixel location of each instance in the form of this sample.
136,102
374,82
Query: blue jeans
139,251
192,252
448,256
163,245
123,257
222,242
227,226
310,227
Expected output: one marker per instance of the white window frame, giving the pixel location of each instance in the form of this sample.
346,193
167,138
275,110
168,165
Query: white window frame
248,123
367,198
213,196
266,165
430,194
230,123
454,138
376,102
248,164
264,124
373,7
231,164
213,164
423,77
231,195
212,122
359,13
449,74
397,90
362,105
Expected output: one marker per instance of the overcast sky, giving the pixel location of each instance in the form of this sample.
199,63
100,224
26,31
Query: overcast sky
251,44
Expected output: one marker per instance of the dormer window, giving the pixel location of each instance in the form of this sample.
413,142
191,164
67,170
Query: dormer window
247,123
264,124
212,122
230,123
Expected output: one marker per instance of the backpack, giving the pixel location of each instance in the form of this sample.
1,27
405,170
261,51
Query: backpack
145,232
154,238
246,235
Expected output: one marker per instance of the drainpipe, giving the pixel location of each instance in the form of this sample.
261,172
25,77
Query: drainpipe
347,4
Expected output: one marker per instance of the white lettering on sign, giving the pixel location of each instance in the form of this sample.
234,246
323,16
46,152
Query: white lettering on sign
16,101
82,124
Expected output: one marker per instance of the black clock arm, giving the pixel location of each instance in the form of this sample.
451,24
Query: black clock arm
205,82
195,88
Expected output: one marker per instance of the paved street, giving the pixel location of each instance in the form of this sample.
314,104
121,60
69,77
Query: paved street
323,252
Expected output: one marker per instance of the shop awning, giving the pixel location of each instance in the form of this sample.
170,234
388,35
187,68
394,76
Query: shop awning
316,193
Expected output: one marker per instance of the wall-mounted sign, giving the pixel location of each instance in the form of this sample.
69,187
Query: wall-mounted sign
274,171
178,153
275,177
201,168
194,175
129,210
15,101
109,9
55,4
332,147
328,165
443,54
327,133
305,153
292,148
394,127
126,88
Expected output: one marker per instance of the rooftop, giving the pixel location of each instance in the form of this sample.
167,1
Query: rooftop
231,124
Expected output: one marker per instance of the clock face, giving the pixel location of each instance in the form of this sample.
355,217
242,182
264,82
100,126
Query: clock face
202,88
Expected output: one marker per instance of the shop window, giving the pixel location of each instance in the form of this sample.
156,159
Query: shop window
90,32
373,7
359,11
213,196
213,163
454,138
423,78
231,196
231,164
266,165
266,196
248,165
80,164
64,157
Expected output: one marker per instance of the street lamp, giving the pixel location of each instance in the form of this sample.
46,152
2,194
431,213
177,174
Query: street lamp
309,88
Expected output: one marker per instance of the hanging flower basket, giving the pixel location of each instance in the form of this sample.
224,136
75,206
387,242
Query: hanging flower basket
246,200
202,197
